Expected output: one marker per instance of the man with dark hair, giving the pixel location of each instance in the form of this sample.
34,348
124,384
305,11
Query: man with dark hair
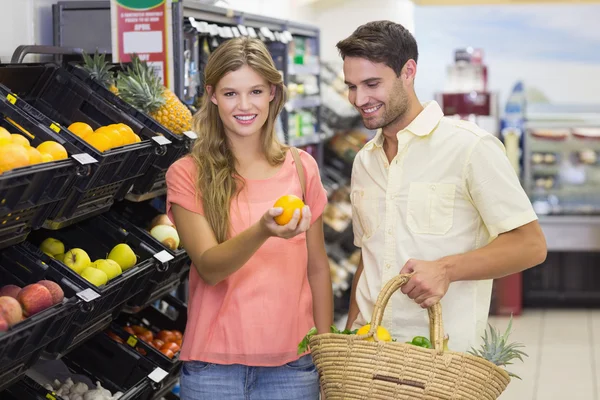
431,196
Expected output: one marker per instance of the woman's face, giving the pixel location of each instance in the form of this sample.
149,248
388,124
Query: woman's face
243,98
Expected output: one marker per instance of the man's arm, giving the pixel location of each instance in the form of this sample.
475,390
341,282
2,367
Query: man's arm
509,253
353,309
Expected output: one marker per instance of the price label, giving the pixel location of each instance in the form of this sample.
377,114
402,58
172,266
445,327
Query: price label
161,140
252,32
191,134
163,256
88,295
84,158
55,127
132,341
158,375
243,30
12,99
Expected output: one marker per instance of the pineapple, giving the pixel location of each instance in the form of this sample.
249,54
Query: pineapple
496,350
99,70
141,87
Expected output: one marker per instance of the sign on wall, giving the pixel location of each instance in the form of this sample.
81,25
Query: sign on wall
144,27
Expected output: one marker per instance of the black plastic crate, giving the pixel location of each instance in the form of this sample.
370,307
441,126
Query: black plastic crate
97,236
23,343
53,97
28,388
136,219
29,194
154,180
155,320
115,365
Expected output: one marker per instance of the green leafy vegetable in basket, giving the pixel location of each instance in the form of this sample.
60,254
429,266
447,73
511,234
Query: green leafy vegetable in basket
497,350
303,345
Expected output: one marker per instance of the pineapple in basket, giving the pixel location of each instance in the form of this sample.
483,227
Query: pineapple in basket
141,87
99,70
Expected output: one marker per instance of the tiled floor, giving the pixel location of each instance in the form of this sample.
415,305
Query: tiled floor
564,355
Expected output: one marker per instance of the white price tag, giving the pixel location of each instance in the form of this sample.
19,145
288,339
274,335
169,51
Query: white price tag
191,134
88,295
158,375
161,140
243,30
163,256
252,32
84,158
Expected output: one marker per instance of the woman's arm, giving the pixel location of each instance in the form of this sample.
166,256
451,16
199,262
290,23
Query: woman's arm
319,277
215,262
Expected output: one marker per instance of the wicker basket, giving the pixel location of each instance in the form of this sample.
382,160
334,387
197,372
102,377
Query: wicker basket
353,368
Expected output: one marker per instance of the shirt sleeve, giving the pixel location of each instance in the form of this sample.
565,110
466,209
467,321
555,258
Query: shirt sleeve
495,189
181,187
316,195
357,228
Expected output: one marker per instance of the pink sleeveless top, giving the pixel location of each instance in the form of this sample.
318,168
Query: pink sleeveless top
259,314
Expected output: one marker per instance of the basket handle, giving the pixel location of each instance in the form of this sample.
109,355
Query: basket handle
436,329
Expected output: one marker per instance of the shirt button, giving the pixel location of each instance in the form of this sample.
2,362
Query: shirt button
388,266
432,187
389,231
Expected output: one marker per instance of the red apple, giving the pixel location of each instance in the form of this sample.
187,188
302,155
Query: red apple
10,290
3,324
34,298
55,290
10,310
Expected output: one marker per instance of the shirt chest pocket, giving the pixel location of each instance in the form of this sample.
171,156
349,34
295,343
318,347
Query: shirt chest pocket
431,207
366,205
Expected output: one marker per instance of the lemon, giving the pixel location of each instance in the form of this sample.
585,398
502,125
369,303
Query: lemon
382,333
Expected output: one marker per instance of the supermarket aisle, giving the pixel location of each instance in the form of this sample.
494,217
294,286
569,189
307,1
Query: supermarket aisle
564,355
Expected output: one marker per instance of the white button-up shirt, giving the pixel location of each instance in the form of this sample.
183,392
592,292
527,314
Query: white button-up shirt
449,190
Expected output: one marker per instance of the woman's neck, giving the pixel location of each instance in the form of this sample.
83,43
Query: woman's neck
247,150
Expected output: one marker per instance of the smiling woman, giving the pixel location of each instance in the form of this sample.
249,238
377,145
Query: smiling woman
249,273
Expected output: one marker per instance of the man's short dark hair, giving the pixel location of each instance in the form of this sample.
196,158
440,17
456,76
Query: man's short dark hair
381,42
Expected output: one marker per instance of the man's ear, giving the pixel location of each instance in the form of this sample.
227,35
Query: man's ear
409,71
273,90
213,98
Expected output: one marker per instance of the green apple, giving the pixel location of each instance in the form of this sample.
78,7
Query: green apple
52,247
60,257
123,255
109,267
94,276
77,260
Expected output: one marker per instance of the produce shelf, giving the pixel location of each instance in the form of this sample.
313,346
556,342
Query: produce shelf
153,182
25,341
55,98
97,237
29,194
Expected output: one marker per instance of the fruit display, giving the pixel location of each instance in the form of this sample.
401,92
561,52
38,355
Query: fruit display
16,151
167,342
139,86
105,137
17,304
101,271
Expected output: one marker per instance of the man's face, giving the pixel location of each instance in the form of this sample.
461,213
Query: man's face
375,91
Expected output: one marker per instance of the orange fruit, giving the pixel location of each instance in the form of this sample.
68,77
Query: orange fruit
81,129
35,157
99,141
289,203
13,156
127,133
137,138
56,150
20,140
5,137
113,135
46,157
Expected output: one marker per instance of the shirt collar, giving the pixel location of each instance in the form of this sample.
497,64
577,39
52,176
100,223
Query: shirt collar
422,125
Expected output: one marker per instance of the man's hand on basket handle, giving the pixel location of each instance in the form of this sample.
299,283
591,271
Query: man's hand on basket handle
429,282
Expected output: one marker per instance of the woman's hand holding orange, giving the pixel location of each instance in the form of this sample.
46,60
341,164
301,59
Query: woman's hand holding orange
296,226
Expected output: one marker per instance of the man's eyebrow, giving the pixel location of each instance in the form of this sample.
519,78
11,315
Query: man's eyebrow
364,81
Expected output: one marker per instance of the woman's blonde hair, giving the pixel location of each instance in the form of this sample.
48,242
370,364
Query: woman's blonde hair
218,181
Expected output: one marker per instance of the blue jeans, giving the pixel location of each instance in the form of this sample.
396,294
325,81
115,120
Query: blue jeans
297,380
